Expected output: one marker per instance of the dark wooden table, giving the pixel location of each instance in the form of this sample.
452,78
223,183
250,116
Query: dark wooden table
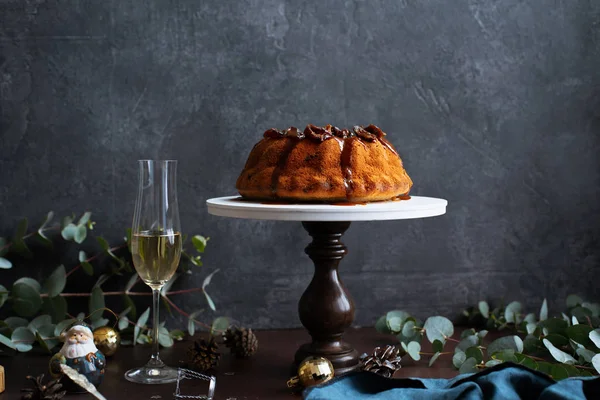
262,377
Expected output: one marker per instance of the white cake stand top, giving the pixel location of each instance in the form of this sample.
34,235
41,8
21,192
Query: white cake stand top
416,207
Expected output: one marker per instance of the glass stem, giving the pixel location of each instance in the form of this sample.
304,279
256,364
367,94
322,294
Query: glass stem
155,308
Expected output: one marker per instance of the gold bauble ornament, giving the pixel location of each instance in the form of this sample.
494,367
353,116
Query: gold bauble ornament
107,340
312,371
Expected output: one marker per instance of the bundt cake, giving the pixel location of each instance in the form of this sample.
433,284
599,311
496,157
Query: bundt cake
324,164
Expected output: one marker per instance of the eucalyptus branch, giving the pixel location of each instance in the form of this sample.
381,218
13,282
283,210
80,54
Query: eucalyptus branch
90,259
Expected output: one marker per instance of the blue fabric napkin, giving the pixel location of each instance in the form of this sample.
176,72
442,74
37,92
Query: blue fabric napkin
504,381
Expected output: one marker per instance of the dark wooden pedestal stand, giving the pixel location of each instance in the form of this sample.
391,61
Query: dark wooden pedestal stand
326,308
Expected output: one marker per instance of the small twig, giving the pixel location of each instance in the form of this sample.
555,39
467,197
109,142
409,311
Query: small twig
180,311
432,354
30,234
122,292
78,266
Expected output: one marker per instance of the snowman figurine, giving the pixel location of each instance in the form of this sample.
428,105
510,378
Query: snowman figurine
80,353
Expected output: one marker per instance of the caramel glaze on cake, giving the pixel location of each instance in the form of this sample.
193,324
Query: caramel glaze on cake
324,165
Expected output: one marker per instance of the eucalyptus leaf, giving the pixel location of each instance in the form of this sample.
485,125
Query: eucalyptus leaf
62,325
395,324
555,325
484,309
7,342
164,338
22,338
132,281
595,337
55,283
573,300
3,295
513,343
413,349
437,346
512,311
167,286
130,305
82,256
482,333
559,372
210,301
401,315
530,318
123,323
191,323
199,243
80,234
96,304
69,231
141,322
474,352
99,323
586,354
458,359
557,340
596,362
468,332
16,322
84,218
438,328
87,268
581,313
39,321
558,354
544,311
493,363
574,320
207,280
31,282
408,330
467,342
434,358
594,307
219,325
530,327
469,366
5,264
580,334
381,325
26,299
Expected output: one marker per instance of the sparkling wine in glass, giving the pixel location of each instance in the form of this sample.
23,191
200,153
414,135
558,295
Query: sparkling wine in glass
156,249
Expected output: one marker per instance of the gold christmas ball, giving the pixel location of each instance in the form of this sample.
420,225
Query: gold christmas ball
107,340
314,371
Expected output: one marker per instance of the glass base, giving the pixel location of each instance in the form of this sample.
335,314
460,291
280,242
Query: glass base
153,373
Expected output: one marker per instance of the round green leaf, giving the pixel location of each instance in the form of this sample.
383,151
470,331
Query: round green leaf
474,352
199,243
5,264
96,303
581,313
401,315
526,361
26,299
595,337
31,282
62,325
437,346
580,334
512,311
530,318
573,300
558,354
438,328
467,342
220,324
596,362
164,338
513,343
484,309
458,359
22,338
87,268
468,332
594,307
7,342
381,325
56,307
141,322
413,350
15,322
39,321
505,355
469,366
408,330
68,232
559,372
55,283
586,354
555,325
80,234
493,363
557,340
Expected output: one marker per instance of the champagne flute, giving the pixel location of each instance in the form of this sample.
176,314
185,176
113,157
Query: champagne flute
156,249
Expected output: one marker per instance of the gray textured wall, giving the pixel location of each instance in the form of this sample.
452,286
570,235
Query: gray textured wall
494,105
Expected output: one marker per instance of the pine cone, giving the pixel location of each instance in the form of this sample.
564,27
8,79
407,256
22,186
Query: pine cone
41,391
242,342
204,355
384,361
